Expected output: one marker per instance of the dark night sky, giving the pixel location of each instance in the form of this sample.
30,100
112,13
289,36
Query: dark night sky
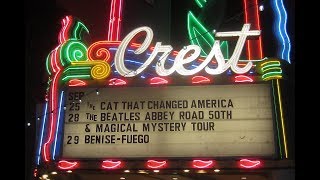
42,24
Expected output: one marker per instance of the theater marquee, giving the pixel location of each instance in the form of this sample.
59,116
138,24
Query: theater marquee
172,121
135,102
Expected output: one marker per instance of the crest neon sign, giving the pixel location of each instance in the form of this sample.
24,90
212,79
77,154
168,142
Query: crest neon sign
185,55
73,62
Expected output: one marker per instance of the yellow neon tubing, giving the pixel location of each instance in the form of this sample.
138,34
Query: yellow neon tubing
282,121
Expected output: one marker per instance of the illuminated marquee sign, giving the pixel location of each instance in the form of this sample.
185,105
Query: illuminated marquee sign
182,57
72,62
173,121
165,121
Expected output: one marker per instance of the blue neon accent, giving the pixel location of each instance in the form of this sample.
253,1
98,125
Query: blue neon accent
133,61
42,130
282,32
143,77
57,129
115,49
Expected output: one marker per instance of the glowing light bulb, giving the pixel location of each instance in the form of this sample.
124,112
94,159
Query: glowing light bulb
45,176
261,8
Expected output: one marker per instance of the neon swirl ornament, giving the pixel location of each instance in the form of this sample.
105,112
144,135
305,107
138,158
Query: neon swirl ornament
70,48
100,70
73,50
87,70
100,50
